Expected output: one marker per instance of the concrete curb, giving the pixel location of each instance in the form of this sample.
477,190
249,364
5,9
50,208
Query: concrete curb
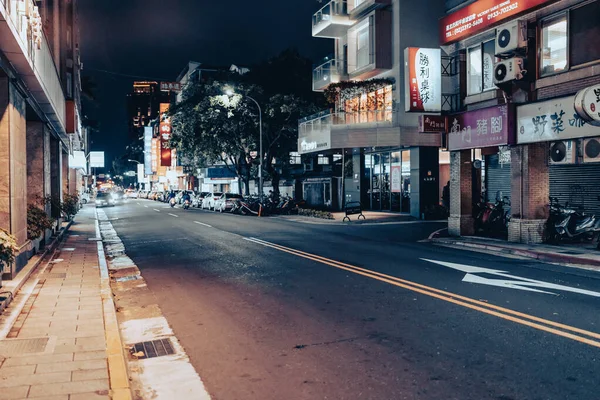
117,365
13,286
536,255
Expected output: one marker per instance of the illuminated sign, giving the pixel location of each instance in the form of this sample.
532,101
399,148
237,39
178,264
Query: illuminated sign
487,127
148,150
170,86
155,152
423,79
480,15
432,123
96,159
587,104
77,160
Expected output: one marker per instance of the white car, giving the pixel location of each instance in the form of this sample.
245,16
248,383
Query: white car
226,202
210,200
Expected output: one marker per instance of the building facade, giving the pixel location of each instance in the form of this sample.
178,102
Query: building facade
143,106
516,131
369,138
40,127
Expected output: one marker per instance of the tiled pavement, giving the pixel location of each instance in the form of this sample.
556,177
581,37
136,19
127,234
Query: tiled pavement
64,311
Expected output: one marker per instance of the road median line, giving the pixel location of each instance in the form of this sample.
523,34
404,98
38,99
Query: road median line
501,312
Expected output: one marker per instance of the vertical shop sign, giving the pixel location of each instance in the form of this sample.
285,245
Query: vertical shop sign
423,79
148,150
396,179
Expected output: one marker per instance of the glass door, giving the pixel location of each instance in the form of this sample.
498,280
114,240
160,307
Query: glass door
384,182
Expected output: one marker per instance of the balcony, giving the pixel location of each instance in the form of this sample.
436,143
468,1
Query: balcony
331,21
327,73
23,43
357,8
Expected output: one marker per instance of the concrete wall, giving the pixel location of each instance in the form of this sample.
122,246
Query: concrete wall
36,161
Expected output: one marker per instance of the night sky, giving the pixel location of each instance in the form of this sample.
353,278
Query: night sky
154,39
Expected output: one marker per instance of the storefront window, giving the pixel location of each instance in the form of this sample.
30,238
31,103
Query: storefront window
322,160
554,45
370,107
480,67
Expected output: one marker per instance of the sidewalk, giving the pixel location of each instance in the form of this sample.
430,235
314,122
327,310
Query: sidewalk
582,257
57,348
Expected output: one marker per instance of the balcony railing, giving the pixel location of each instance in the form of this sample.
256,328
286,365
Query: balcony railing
326,119
325,74
331,21
28,51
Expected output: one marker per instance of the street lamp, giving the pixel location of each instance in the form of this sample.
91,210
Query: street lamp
230,92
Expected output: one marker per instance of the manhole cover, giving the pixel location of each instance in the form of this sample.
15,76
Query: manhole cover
155,348
127,278
55,275
11,347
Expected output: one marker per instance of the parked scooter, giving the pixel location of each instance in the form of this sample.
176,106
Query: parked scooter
566,223
172,202
186,204
493,218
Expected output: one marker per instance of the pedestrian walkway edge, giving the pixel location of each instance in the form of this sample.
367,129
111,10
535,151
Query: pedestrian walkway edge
117,365
12,287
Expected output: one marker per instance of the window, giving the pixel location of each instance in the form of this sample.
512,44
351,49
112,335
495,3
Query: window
337,157
295,158
362,47
554,45
322,160
69,84
584,31
480,67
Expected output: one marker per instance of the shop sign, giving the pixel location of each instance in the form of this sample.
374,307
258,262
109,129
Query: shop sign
78,160
396,179
481,15
165,152
423,79
170,86
219,173
148,150
492,126
432,123
312,143
155,153
552,120
96,159
587,105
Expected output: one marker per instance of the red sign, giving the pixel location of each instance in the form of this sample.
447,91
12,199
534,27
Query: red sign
492,126
165,127
432,123
481,15
165,152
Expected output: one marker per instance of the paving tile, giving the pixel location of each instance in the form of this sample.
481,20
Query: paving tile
90,374
69,388
15,392
60,397
15,371
34,379
76,349
70,366
91,355
89,396
91,341
38,359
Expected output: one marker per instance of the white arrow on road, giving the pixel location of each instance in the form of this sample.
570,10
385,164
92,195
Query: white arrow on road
514,282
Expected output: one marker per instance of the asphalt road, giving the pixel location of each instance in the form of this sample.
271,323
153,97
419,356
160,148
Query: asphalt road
276,309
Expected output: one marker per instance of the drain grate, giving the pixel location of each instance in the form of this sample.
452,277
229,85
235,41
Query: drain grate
155,348
11,347
55,275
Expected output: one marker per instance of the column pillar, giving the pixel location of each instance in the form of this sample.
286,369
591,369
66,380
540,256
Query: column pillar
36,160
461,221
424,180
530,188
13,171
55,175
64,162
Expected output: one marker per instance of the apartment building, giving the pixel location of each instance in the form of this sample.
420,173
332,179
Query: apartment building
368,137
42,141
526,71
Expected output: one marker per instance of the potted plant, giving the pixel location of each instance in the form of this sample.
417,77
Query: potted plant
8,250
70,205
37,222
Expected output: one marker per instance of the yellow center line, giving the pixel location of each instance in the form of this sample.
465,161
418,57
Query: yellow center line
486,308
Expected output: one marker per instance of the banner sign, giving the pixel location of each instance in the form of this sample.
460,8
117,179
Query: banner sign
481,15
492,126
155,153
587,104
432,123
148,150
164,132
219,173
423,79
552,120
170,86
396,179
96,159
78,160
165,151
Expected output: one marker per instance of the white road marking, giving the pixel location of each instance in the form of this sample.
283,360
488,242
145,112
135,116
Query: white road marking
146,206
173,215
156,210
201,223
515,282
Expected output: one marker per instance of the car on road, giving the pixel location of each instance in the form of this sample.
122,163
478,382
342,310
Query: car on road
199,198
104,199
209,201
226,201
143,194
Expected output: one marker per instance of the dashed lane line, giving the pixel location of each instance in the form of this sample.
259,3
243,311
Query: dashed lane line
203,224
173,215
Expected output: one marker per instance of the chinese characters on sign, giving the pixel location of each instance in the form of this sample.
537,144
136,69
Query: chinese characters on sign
155,153
148,150
164,132
170,86
423,80
480,15
481,128
552,120
587,105
432,123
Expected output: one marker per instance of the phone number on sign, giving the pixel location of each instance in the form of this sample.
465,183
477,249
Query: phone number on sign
503,10
465,27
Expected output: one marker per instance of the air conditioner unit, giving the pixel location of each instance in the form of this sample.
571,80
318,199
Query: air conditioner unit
509,70
308,164
562,152
511,37
591,150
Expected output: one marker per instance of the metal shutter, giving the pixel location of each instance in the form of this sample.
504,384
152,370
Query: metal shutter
579,184
497,178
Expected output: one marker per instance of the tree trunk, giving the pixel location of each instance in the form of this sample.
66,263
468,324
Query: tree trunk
275,176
